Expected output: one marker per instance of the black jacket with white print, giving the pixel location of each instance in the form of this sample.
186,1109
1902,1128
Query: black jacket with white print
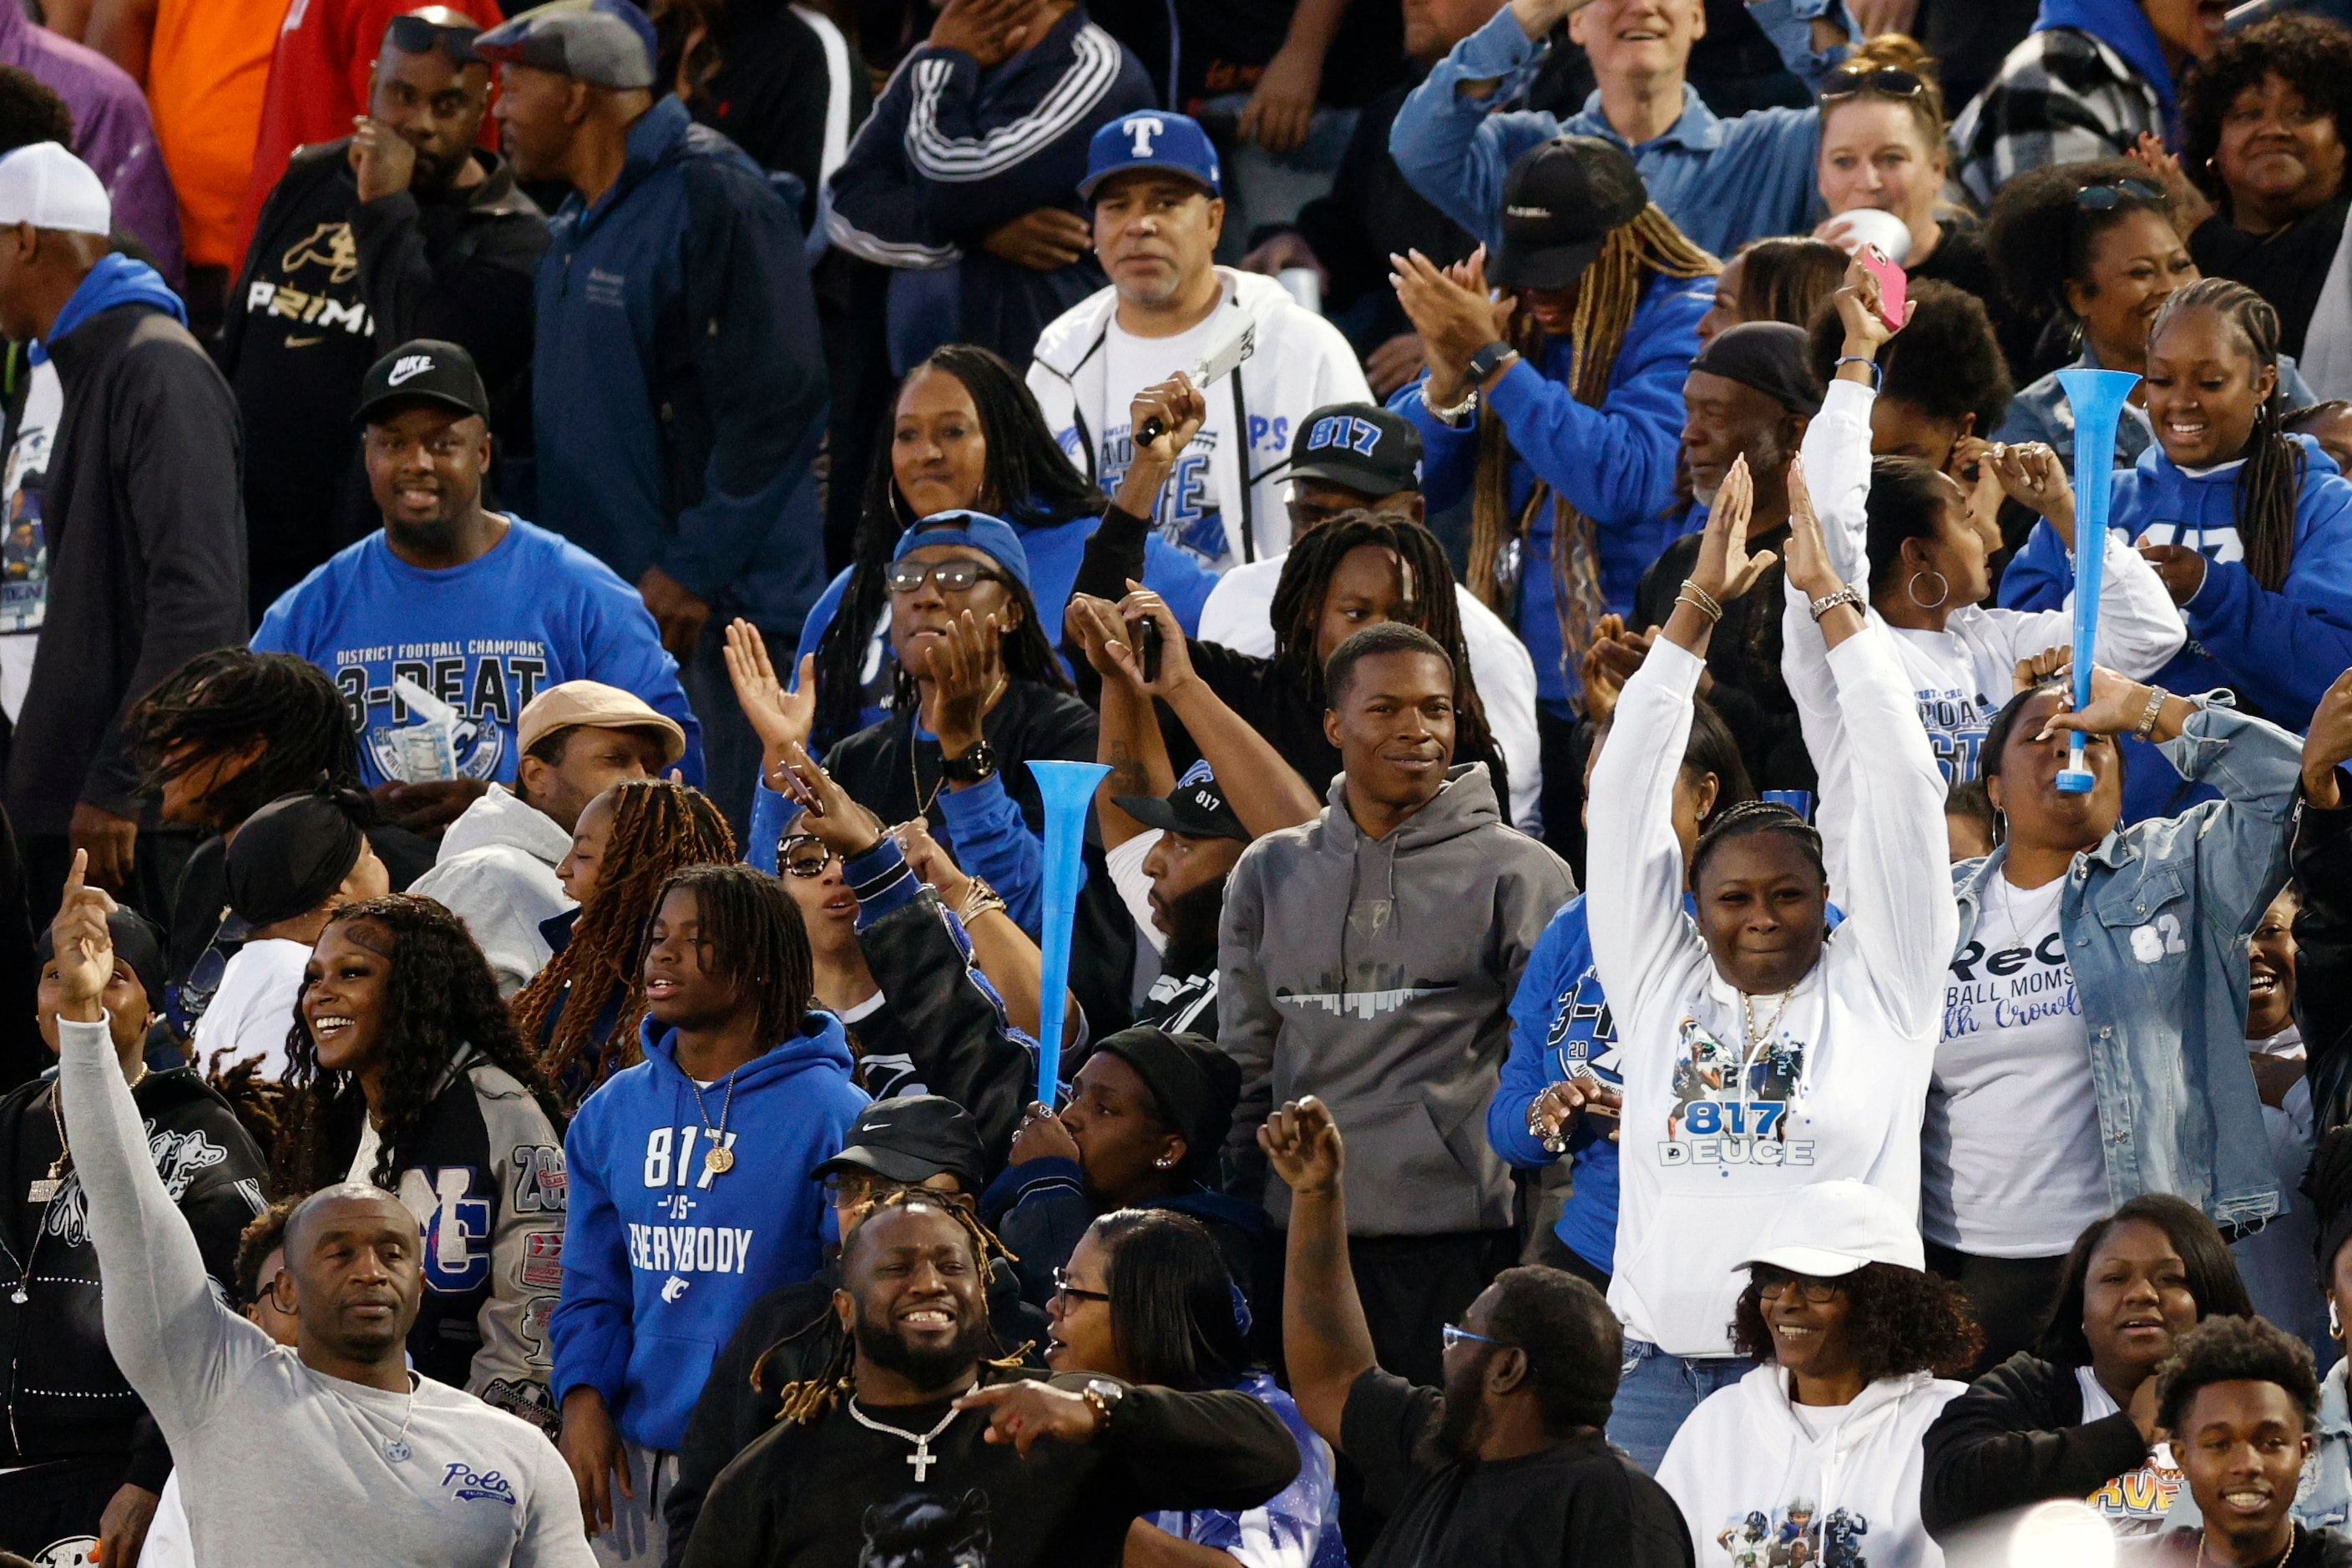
64,1397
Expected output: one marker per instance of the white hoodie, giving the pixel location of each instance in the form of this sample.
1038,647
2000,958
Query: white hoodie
1718,1129
1300,364
1749,1476
496,872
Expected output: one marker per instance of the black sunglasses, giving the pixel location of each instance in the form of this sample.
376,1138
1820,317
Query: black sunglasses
416,35
952,576
1886,81
2109,194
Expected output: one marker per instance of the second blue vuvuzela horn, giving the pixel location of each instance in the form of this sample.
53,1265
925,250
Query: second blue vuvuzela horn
2096,397
1067,790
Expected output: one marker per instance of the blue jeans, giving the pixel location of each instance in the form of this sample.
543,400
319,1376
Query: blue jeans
1657,1392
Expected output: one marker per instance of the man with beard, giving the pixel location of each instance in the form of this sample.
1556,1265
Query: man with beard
336,1453
519,609
1199,838
1506,1463
910,1410
403,229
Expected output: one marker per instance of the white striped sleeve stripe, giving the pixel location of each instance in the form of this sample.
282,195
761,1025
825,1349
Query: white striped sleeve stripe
1093,71
887,253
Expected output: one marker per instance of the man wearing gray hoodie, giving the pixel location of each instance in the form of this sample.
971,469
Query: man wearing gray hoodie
1369,958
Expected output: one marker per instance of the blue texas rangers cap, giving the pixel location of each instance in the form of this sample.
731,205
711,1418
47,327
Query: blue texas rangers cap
1151,139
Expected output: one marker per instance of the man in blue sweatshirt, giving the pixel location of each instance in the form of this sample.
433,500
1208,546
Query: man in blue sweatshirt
478,611
678,385
691,1195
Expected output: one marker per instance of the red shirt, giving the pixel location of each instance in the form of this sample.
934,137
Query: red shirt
321,78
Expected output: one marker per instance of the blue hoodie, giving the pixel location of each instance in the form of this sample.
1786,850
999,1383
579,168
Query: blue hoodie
117,280
660,1257
2279,650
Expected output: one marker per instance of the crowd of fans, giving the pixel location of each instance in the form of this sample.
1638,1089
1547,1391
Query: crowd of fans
1640,986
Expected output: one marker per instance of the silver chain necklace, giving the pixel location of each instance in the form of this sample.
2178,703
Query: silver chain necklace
397,1450
922,1458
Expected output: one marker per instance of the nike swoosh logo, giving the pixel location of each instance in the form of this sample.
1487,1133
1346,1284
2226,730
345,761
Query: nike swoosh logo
306,342
406,373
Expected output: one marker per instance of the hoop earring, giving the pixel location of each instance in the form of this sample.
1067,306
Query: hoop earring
1943,590
2334,1322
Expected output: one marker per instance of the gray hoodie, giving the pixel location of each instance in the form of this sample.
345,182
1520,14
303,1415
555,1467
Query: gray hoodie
496,872
1377,975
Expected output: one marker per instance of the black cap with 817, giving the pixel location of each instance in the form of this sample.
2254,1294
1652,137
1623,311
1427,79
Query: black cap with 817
426,370
1359,446
1196,808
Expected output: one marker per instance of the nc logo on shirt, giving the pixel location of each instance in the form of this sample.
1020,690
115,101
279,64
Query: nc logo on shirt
468,1485
457,1227
1731,1109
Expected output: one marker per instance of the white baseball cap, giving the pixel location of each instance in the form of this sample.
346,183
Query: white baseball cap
1831,1228
48,187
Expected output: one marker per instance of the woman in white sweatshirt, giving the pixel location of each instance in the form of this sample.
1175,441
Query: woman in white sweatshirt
1759,1056
1821,1442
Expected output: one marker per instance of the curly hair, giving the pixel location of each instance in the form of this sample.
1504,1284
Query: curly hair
263,1235
2313,57
805,1399
1027,481
659,828
2041,235
1897,1320
1946,360
222,701
441,1003
2235,1349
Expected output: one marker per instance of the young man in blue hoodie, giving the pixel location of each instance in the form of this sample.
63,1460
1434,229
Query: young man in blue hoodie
690,1189
678,380
146,564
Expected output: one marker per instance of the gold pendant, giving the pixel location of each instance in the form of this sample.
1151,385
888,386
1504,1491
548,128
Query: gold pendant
43,1190
718,1158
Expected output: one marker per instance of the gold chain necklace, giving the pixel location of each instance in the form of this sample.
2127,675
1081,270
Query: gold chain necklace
1748,1015
718,1159
2293,1536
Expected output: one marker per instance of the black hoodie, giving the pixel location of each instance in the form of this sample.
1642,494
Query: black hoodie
2018,1437
65,1397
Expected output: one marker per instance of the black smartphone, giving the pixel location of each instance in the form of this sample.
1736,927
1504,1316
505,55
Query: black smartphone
1147,649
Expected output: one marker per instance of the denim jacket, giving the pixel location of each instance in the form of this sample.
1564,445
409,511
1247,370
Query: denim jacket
2155,922
2324,1498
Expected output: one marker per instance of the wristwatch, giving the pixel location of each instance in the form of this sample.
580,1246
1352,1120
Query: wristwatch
971,766
1489,360
1104,1395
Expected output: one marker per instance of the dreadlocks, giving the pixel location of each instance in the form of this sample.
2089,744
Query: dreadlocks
751,934
441,1004
1429,604
1027,481
2271,483
807,1398
659,828
1607,296
218,703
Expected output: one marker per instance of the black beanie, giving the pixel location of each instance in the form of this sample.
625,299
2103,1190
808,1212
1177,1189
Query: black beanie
291,855
136,942
1195,1085
1769,356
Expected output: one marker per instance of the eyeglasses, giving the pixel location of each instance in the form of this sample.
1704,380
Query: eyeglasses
2108,195
1886,81
416,35
1772,1284
952,576
1451,1334
805,855
1065,1290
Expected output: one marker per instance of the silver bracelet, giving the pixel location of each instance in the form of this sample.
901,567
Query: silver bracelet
1456,417
1828,602
2146,725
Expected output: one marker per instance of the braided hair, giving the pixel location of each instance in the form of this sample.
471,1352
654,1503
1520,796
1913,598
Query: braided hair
1028,481
753,935
1607,296
658,827
805,1399
1306,583
441,1004
1747,818
2271,483
220,703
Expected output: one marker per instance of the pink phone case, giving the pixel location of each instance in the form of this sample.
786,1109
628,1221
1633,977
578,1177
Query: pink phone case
1891,288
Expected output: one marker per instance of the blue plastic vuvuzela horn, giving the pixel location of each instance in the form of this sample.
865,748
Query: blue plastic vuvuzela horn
2098,398
1067,790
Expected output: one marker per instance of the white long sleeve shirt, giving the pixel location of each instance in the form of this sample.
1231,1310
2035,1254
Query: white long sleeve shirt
279,1462
1718,1129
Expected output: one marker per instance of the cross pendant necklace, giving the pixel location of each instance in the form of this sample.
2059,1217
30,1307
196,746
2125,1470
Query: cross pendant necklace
922,1458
